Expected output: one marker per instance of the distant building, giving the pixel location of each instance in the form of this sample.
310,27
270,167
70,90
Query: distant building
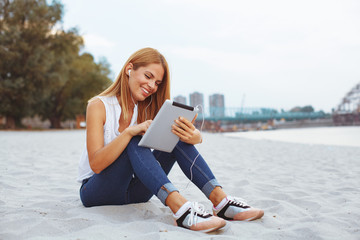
217,105
196,98
180,99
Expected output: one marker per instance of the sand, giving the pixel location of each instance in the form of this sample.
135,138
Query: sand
308,190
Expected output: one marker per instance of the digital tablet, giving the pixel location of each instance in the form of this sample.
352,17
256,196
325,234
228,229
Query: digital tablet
159,135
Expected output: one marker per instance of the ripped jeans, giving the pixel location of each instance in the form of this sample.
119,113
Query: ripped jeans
139,173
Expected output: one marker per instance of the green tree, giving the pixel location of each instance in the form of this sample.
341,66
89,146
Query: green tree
306,109
41,69
24,41
72,86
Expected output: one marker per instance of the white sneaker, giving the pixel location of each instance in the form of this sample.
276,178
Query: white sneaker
237,209
197,219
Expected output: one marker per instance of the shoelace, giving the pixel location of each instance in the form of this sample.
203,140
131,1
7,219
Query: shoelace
195,210
238,201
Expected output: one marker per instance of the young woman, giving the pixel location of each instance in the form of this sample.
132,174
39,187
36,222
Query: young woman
114,170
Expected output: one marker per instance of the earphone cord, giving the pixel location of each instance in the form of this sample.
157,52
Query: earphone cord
202,124
130,91
132,98
147,107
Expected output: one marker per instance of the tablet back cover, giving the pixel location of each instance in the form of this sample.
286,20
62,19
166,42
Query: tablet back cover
159,135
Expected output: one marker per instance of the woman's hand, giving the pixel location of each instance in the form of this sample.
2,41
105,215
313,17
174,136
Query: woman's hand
139,129
186,131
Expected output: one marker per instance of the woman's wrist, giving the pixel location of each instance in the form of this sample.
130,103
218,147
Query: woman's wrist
200,141
127,131
199,138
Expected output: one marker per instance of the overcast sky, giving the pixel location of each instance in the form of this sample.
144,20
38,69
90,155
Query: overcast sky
260,53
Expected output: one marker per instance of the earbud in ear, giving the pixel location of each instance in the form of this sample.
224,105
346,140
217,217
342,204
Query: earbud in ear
129,72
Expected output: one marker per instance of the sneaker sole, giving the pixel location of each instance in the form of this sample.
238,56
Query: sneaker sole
211,229
205,230
260,214
257,216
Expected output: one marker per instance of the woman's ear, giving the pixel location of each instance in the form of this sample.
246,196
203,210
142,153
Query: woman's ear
128,69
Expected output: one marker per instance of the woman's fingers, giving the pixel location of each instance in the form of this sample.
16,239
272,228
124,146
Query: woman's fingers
182,134
141,128
146,125
148,122
186,131
194,119
184,123
181,130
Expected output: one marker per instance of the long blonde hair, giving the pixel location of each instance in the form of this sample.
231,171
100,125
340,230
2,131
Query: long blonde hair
120,87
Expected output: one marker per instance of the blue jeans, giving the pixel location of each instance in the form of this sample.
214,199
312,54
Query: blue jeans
139,173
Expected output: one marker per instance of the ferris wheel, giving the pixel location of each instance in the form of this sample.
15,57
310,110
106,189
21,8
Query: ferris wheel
351,102
348,111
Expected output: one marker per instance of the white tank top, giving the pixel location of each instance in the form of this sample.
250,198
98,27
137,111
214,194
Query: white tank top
111,131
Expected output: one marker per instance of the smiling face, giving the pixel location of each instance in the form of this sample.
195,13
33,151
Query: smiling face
144,81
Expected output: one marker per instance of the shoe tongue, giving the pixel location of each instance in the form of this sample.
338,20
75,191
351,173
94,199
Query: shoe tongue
199,209
239,201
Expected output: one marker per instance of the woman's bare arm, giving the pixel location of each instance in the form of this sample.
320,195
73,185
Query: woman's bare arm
100,156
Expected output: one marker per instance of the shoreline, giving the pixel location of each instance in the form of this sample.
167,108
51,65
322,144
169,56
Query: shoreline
336,136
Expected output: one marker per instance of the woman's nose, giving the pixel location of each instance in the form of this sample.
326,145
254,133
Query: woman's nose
151,84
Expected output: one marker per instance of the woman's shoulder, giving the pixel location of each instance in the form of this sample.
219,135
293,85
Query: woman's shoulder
95,102
96,105
95,113
108,100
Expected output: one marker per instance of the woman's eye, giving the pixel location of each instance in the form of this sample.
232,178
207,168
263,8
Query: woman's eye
158,83
147,76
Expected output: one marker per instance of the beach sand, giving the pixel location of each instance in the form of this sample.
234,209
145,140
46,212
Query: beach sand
308,190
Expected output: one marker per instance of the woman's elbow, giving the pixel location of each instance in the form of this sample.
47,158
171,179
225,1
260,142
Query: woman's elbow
97,171
95,168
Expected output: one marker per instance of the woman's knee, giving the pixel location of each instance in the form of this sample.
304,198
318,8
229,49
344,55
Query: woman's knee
145,197
85,200
184,148
184,145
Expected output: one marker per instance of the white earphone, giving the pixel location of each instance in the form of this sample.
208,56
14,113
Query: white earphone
129,72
